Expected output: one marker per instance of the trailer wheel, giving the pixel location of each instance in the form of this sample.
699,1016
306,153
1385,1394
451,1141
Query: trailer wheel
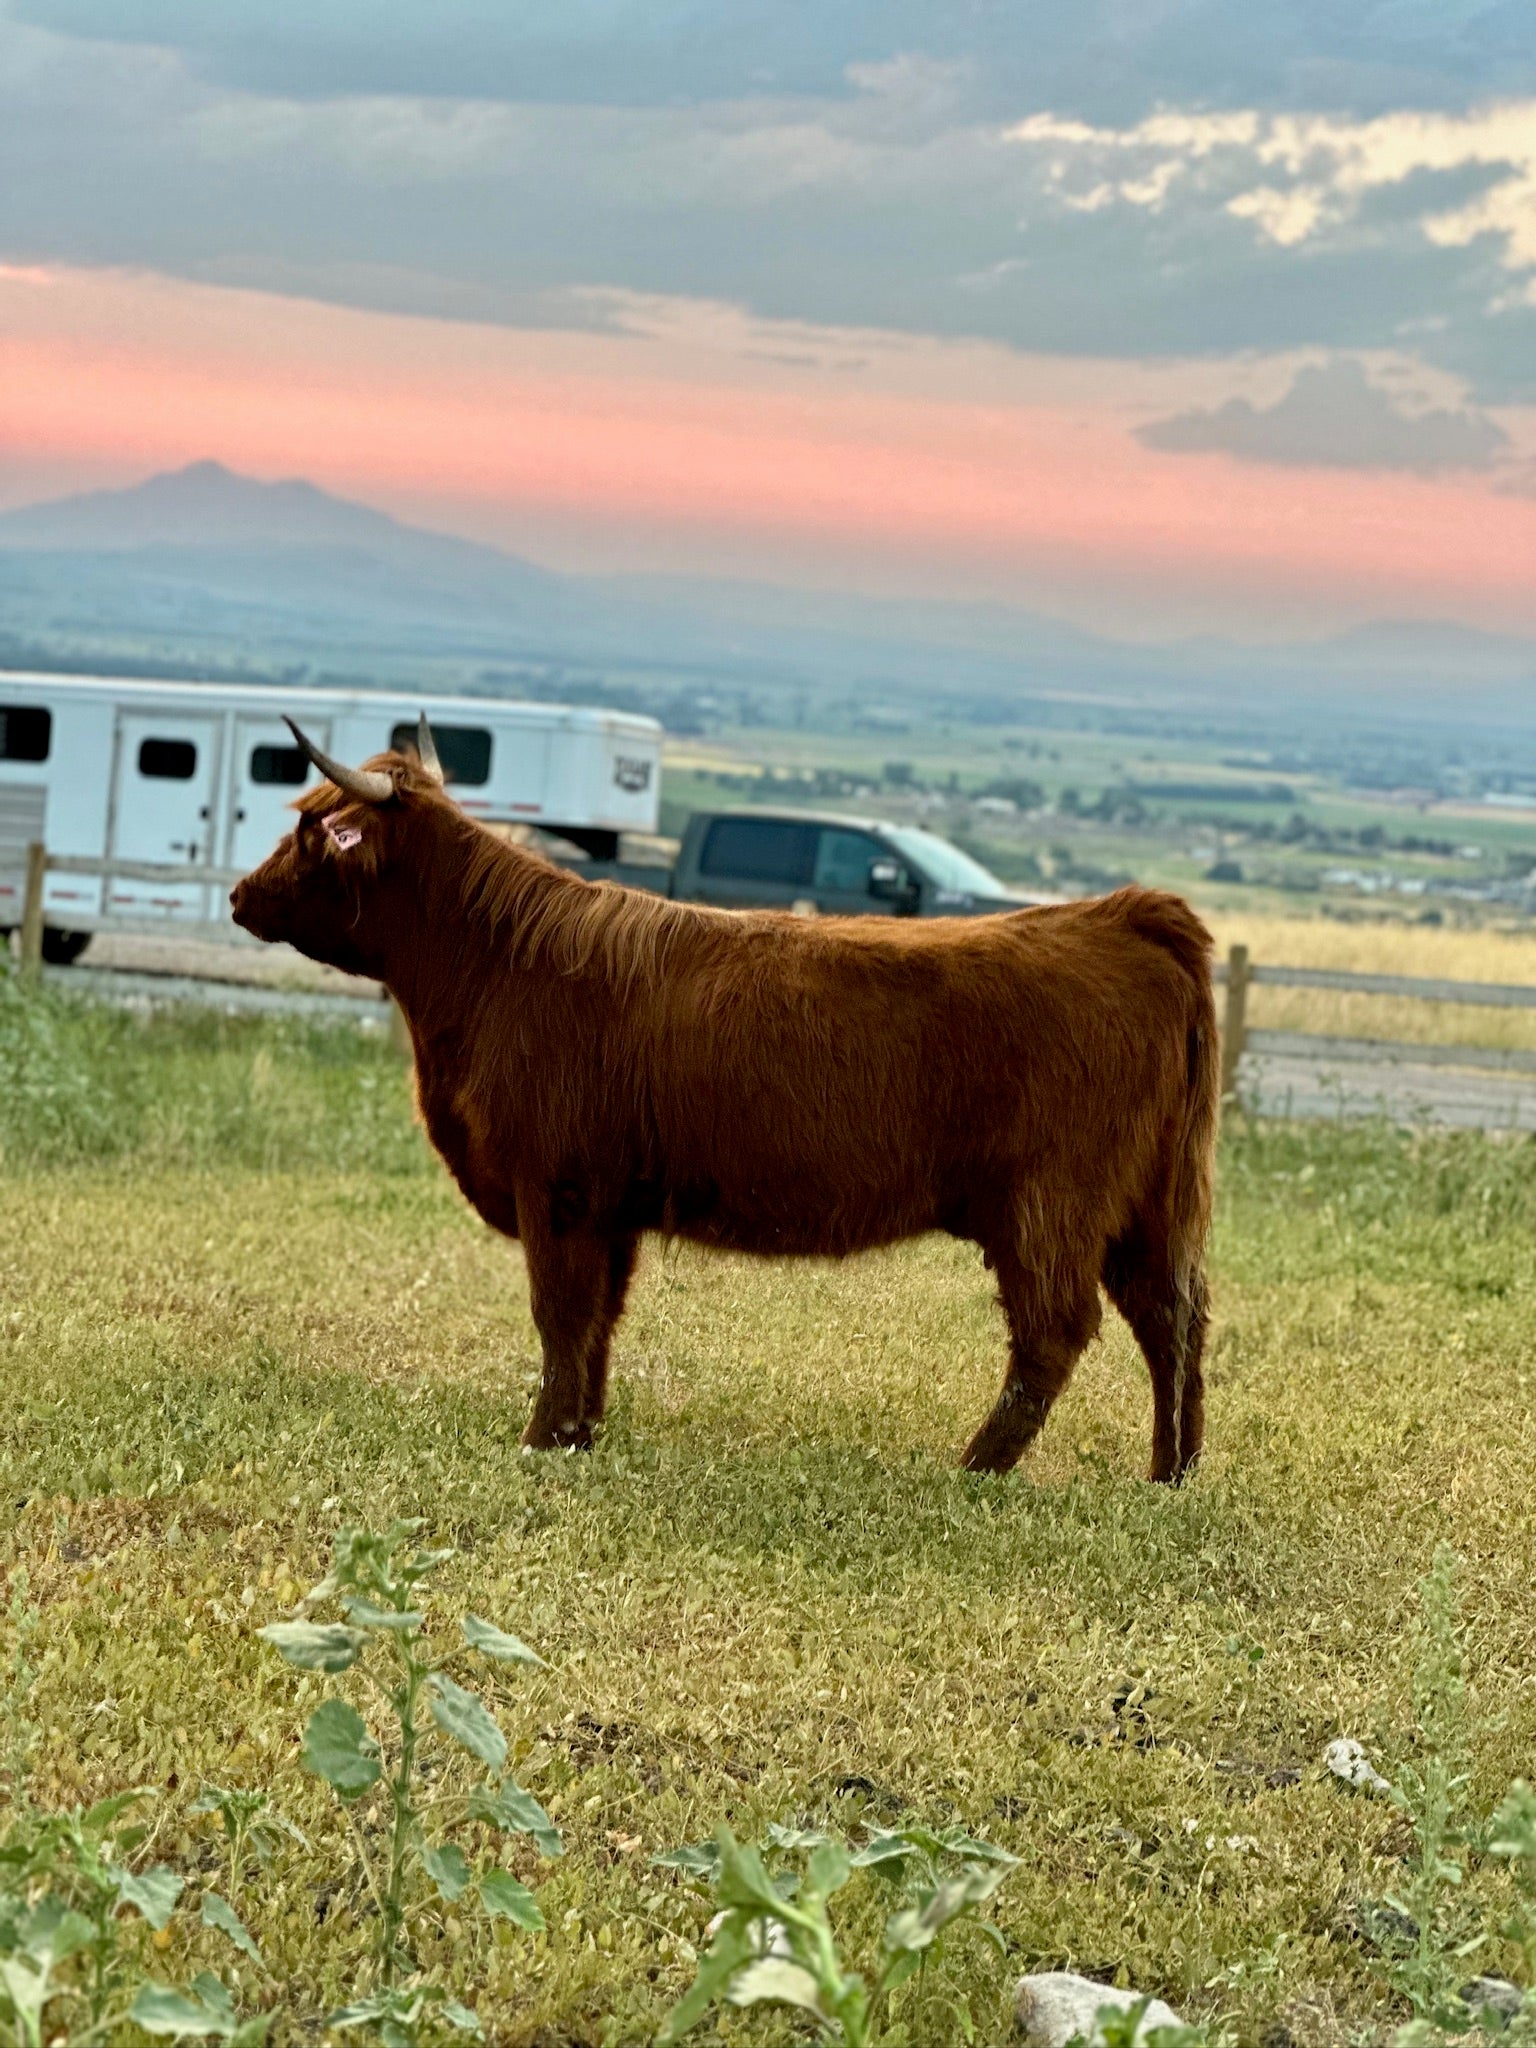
63,949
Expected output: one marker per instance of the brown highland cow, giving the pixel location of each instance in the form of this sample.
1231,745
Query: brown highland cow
594,1063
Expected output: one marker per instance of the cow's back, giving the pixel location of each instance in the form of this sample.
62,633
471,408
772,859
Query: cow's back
821,1080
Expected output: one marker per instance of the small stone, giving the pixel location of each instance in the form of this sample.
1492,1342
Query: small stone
1054,2007
1494,1993
1347,1760
1384,1925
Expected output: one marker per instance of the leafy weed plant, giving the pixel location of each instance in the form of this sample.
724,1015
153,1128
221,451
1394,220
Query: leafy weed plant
1512,1839
1439,1925
773,1939
378,1581
1430,1789
252,1827
67,1956
1121,2027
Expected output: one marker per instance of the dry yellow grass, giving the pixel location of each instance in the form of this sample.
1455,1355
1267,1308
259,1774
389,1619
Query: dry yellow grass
1383,949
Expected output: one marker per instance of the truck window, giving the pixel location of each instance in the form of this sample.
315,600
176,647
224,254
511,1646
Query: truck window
759,850
287,765
464,750
168,760
842,860
26,732
944,865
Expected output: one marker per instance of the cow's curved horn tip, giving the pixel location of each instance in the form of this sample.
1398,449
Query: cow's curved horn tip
368,785
426,751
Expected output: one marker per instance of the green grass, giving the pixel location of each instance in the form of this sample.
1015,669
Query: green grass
240,1304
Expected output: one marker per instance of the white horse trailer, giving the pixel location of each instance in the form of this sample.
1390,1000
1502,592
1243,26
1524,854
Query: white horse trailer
200,775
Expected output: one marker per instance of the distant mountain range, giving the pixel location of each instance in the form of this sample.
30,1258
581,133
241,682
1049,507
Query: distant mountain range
204,558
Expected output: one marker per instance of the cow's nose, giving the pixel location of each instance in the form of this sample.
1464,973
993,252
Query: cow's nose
237,897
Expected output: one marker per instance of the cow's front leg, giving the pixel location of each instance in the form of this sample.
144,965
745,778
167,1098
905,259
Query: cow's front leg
568,1282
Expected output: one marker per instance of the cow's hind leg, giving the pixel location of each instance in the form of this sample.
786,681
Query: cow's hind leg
568,1279
621,1266
1169,1319
1048,1332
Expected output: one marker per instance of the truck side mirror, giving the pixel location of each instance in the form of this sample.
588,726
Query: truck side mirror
888,880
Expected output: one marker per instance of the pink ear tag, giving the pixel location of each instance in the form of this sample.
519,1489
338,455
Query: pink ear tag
345,837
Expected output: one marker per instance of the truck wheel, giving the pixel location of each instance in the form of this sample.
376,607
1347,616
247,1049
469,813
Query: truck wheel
63,949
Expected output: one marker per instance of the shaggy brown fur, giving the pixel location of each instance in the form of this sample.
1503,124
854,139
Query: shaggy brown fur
594,1064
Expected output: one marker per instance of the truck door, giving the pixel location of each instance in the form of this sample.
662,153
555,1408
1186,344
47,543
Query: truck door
164,808
841,881
269,772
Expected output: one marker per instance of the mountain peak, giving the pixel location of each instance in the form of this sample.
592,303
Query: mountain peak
204,505
205,525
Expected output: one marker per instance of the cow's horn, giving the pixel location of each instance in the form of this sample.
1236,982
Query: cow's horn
426,751
368,785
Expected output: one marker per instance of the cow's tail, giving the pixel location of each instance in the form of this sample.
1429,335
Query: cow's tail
1193,1187
1189,1174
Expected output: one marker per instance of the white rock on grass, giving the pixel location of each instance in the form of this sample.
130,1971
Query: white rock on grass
1347,1760
1055,2007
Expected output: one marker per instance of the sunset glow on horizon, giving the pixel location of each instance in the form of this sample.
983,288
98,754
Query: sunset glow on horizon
609,450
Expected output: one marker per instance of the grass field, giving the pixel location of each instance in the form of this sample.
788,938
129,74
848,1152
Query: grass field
240,1305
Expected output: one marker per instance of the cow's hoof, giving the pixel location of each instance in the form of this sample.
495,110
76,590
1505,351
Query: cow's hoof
568,1436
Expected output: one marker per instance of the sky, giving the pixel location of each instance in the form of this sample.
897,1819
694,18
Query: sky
1163,316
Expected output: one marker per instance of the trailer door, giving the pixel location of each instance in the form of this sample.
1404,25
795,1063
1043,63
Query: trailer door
164,809
269,772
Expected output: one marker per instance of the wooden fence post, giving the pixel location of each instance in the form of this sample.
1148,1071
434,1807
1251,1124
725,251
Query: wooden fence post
1235,1030
32,911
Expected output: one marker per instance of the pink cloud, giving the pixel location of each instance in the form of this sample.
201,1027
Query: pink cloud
624,449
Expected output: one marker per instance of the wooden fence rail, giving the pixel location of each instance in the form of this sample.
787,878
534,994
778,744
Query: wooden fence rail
41,864
1498,995
141,870
1239,974
1329,1051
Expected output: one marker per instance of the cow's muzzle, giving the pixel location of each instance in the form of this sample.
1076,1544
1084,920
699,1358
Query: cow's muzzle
246,906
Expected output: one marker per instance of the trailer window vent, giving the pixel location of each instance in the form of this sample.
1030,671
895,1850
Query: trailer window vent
26,732
464,750
280,764
168,760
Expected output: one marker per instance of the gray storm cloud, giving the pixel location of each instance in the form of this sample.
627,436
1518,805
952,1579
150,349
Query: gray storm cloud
1336,417
903,166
